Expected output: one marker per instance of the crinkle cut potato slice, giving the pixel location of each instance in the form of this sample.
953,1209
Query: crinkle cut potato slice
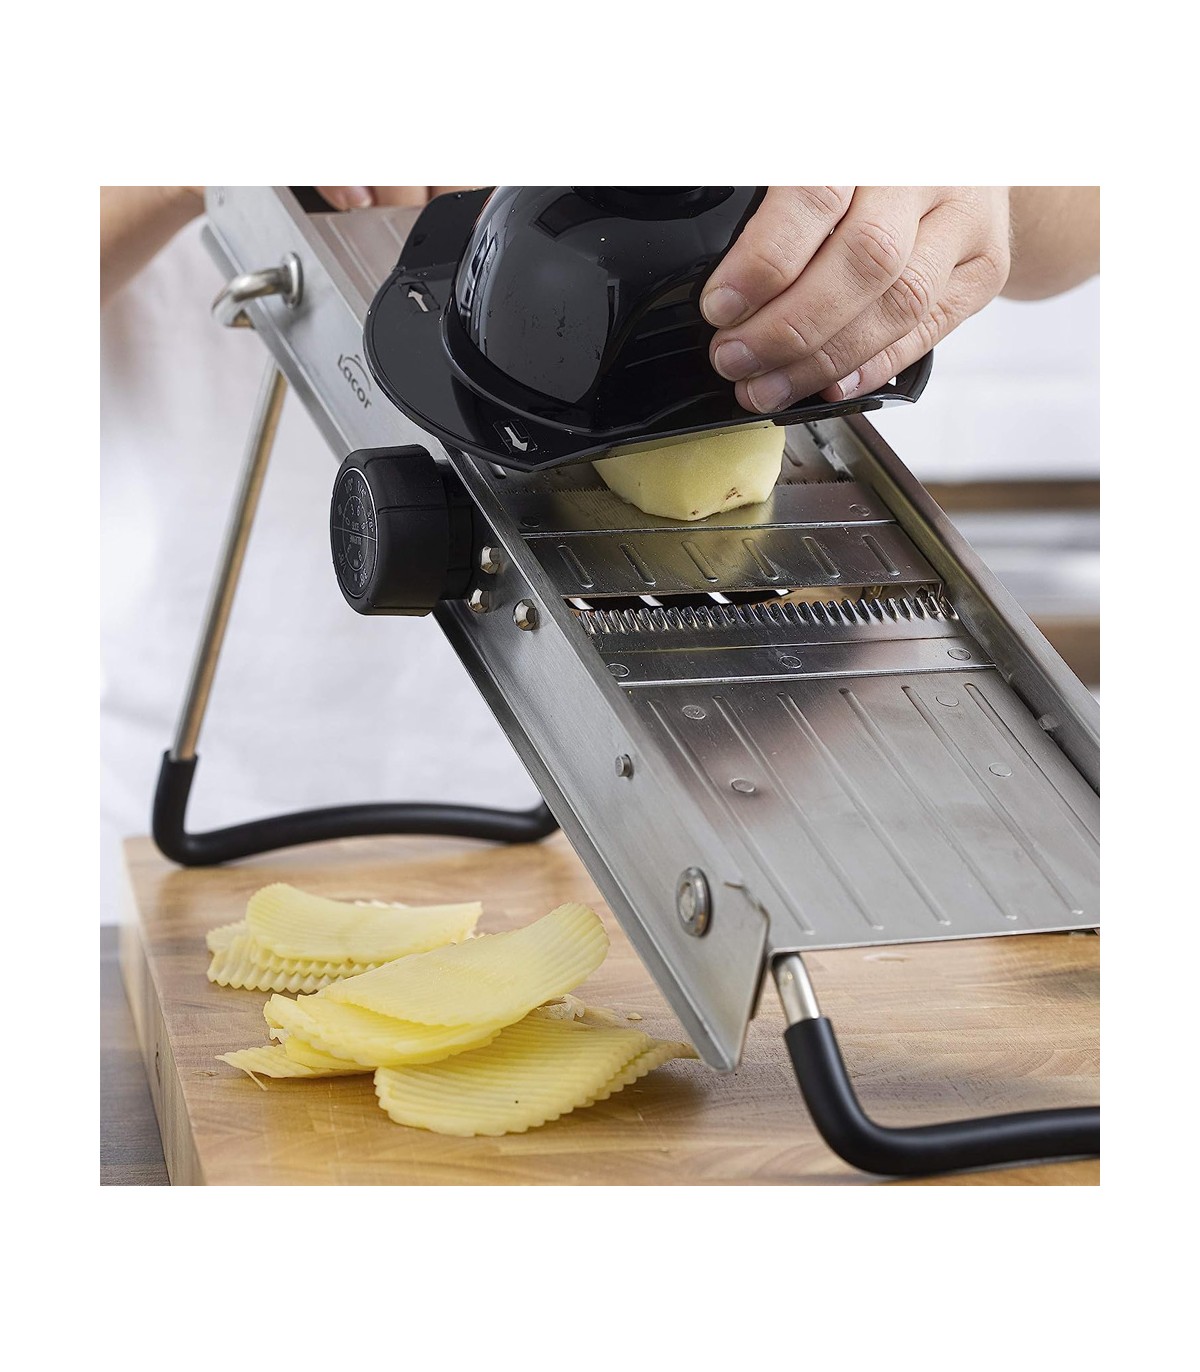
293,924
245,965
220,938
224,934
537,1070
369,1038
270,1060
495,979
660,1051
308,1056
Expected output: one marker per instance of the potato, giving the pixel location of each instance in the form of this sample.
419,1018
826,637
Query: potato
697,475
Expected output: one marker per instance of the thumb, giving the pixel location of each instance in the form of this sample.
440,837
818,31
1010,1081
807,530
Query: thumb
347,197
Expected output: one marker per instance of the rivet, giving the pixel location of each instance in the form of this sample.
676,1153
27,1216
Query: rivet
998,769
789,660
693,712
692,901
624,765
945,699
618,669
525,614
747,788
961,654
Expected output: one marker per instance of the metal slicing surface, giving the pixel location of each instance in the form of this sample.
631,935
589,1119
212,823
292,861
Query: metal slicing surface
841,773
699,560
889,809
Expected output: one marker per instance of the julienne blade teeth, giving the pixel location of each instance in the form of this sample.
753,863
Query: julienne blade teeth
773,614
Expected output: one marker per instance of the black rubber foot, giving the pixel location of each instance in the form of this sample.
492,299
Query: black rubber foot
315,826
928,1148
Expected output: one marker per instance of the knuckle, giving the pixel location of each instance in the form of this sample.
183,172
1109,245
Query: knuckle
885,365
768,259
874,253
788,336
826,202
911,296
935,326
995,262
828,367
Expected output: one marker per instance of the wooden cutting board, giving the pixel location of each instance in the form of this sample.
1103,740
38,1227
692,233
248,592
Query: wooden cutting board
929,1032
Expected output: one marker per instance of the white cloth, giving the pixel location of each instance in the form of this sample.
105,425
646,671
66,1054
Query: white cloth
312,704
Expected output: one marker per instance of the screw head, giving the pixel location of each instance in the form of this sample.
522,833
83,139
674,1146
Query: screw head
525,614
480,600
693,903
490,560
624,765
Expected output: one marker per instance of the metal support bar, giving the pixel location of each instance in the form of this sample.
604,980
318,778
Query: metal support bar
168,820
796,992
229,569
916,1151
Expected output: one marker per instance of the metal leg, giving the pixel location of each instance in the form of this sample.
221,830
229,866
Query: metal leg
310,826
229,569
858,1140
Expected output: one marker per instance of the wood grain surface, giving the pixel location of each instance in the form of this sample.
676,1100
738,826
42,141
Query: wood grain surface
929,1032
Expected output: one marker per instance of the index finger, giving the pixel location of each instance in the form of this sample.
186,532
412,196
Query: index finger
778,242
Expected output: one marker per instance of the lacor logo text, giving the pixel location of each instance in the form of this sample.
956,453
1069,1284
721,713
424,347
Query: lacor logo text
356,374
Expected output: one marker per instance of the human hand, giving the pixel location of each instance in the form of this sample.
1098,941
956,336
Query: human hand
836,289
362,197
137,221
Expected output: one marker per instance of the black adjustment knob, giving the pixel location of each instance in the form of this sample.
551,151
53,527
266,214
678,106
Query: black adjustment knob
401,530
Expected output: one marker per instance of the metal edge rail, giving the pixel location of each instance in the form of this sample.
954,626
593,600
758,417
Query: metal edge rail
1062,705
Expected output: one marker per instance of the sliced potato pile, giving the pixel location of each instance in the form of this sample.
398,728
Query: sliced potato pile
495,979
477,1037
293,941
368,1038
272,1061
535,1071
